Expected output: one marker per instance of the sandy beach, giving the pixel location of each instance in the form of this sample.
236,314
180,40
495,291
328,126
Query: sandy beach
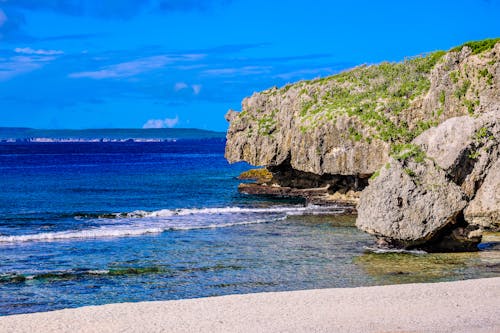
462,306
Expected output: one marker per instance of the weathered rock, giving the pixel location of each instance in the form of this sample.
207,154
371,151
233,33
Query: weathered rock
334,133
343,125
412,203
409,203
316,196
464,147
484,209
261,176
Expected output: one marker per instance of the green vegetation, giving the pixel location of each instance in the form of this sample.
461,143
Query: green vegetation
482,134
442,97
454,76
485,73
478,46
354,134
471,105
373,94
474,155
267,123
462,90
380,99
405,151
410,172
375,175
479,137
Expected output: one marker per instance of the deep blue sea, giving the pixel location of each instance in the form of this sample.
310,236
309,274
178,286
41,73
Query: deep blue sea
96,223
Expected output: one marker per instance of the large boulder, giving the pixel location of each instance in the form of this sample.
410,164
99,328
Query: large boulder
418,200
409,203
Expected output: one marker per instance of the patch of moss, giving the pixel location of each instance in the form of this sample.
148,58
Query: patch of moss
474,155
481,134
261,175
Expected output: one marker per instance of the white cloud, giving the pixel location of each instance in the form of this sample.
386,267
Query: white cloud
246,70
179,86
161,123
126,69
3,17
14,66
196,88
29,50
135,67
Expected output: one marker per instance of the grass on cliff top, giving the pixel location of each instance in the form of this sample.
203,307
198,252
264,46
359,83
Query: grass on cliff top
375,95
478,46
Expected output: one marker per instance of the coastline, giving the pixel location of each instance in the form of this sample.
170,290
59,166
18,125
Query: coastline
459,306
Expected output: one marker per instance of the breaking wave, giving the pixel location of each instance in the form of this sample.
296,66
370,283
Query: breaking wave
138,223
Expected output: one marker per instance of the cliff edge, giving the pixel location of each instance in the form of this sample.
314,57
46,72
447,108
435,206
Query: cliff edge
335,133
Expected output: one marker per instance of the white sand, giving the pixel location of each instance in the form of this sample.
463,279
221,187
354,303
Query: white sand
463,306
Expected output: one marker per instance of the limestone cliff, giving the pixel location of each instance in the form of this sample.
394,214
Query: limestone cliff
426,131
347,124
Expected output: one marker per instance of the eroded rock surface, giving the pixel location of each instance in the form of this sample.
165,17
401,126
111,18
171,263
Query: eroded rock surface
330,135
344,124
409,203
484,209
420,198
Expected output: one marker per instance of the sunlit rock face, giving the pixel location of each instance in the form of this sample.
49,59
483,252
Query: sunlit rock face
344,129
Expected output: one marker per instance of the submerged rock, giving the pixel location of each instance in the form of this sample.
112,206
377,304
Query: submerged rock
261,176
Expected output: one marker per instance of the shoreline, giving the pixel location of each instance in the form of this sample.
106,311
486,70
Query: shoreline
458,306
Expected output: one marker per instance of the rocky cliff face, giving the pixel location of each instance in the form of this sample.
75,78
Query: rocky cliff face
336,132
347,123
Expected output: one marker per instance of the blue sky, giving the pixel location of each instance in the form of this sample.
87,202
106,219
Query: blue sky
174,63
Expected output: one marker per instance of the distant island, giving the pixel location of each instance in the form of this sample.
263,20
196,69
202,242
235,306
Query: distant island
16,134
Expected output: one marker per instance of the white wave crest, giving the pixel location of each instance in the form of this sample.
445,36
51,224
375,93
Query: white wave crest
143,222
120,231
289,210
378,250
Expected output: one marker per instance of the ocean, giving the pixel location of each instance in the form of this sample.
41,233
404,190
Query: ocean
88,223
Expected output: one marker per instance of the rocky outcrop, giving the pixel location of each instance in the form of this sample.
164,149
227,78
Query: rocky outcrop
345,124
418,200
330,135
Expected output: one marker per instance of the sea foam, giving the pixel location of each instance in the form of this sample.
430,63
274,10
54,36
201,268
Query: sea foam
143,222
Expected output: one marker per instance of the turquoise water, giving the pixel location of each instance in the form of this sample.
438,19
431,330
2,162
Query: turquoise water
96,223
